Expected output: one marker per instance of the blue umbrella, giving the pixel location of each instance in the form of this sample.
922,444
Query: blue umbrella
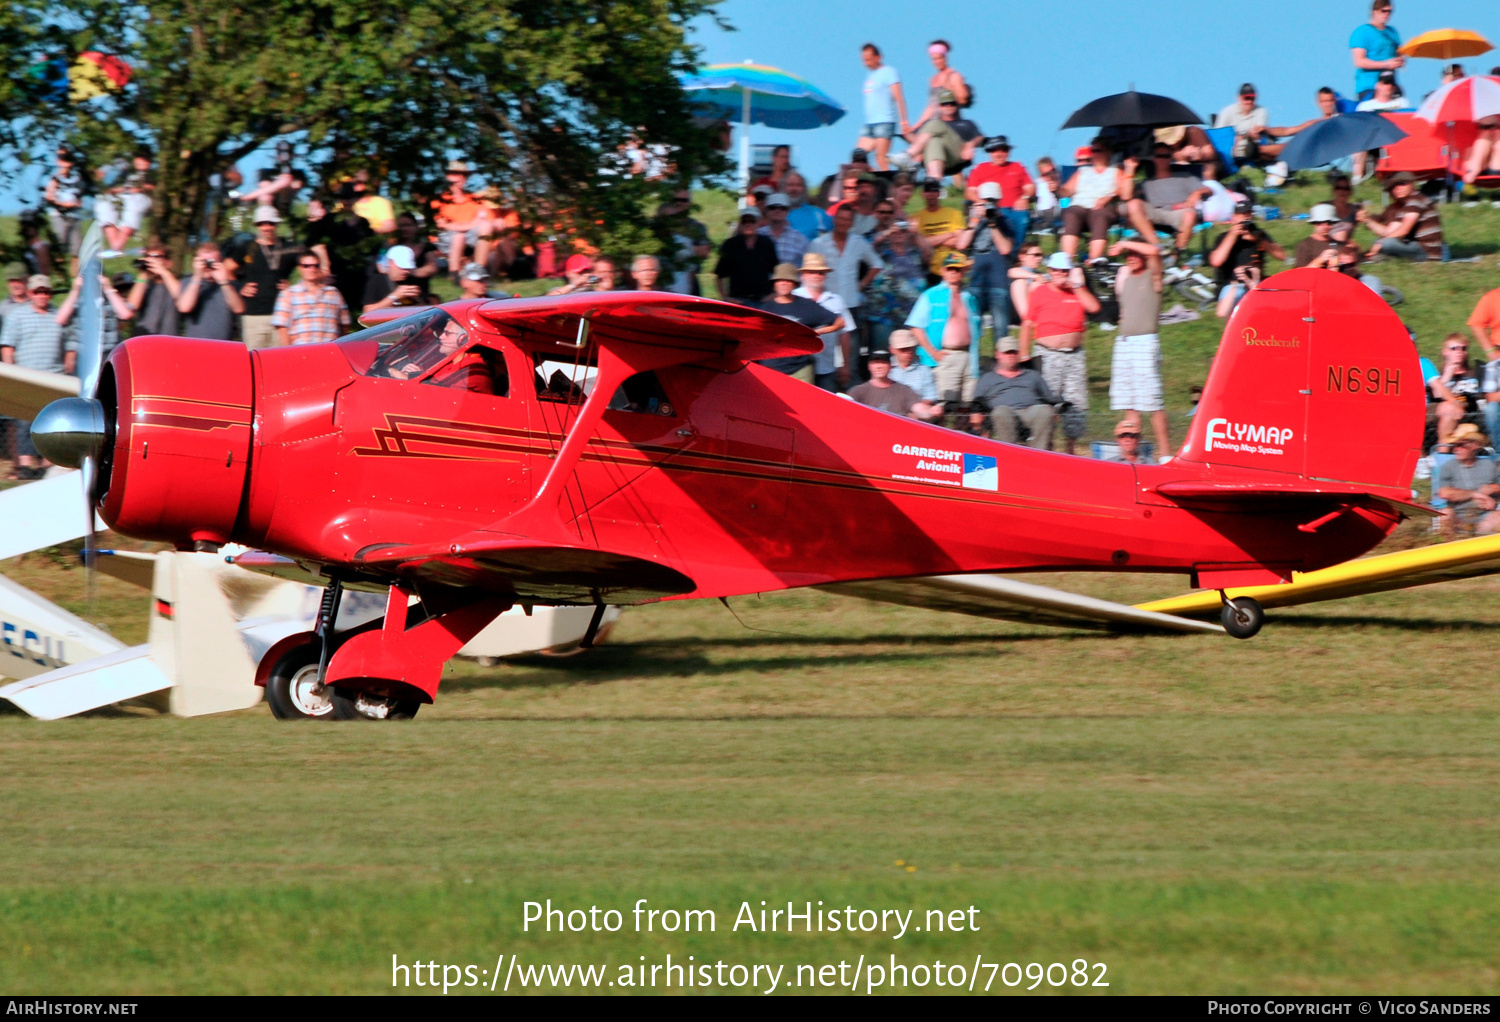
1336,137
756,94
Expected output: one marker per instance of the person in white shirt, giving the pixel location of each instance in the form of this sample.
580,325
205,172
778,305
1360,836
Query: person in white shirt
1249,121
830,371
852,265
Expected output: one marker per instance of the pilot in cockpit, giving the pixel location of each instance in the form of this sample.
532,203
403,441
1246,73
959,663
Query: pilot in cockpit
449,340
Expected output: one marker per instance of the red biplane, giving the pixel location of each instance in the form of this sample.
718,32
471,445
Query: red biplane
625,448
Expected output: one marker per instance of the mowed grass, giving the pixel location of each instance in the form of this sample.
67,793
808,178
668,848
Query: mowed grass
1310,811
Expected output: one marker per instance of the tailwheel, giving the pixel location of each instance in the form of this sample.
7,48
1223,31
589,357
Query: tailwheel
349,704
1242,616
294,691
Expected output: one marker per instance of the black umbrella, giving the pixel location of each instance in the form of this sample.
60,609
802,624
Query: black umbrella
1132,110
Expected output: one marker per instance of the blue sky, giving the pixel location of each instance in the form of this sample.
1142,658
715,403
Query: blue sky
1032,64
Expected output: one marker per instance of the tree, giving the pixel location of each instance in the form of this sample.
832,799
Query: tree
539,94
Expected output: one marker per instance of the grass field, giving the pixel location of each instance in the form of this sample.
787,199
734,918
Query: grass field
1310,811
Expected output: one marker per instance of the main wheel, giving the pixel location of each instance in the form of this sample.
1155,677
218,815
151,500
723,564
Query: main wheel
1242,617
293,689
360,705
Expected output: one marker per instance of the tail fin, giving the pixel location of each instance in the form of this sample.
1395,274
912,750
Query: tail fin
1316,378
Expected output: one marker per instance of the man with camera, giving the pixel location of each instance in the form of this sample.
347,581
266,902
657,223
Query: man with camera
210,301
154,296
1016,186
1240,257
989,241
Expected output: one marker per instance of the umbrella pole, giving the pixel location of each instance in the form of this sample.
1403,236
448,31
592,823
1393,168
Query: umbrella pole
745,142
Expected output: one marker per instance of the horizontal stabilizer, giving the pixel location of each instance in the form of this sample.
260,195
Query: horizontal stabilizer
1006,599
1404,569
1261,493
78,688
25,392
36,635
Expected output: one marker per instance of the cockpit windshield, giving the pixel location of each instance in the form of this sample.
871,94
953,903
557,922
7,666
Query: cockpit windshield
413,344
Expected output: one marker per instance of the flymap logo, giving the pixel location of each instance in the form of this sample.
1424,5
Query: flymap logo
1224,435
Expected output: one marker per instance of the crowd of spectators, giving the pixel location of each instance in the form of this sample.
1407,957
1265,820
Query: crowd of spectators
925,245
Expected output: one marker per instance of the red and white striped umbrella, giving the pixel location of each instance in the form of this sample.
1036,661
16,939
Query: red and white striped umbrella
1468,99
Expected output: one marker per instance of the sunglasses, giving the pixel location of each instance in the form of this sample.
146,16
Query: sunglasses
817,273
1458,349
309,266
1128,436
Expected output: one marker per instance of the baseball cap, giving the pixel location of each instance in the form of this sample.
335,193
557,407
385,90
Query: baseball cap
1245,207
1323,213
474,271
1059,261
16,271
1401,177
401,256
859,156
457,167
749,213
37,281
1127,426
932,186
1247,89
868,179
1007,343
989,190
880,355
785,271
996,142
577,263
1389,77
762,190
267,215
946,96
777,199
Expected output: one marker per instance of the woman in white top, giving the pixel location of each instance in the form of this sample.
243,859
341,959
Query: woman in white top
1094,188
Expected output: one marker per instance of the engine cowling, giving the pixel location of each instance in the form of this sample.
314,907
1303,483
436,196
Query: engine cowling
181,411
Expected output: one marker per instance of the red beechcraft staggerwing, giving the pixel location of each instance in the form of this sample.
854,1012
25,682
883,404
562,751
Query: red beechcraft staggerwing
624,448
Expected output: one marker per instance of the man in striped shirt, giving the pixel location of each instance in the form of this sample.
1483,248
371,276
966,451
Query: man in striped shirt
310,311
33,338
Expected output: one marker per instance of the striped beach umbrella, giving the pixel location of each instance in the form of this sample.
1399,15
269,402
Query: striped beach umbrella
751,93
1468,99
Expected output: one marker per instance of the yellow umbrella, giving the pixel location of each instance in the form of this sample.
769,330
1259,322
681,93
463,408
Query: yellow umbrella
1447,44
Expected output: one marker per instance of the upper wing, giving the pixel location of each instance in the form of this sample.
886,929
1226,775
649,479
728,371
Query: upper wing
698,328
25,392
1006,599
1445,562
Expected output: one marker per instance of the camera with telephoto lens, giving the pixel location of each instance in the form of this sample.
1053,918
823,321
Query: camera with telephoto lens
992,212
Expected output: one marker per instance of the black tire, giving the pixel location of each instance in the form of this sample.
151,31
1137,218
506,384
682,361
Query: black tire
1242,617
292,694
352,705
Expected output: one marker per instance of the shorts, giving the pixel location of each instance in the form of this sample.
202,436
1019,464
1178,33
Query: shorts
1135,375
884,129
133,209
446,239
944,145
257,332
107,211
1163,217
1067,373
1097,222
67,230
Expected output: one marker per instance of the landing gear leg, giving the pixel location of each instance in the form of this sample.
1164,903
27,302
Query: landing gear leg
1242,616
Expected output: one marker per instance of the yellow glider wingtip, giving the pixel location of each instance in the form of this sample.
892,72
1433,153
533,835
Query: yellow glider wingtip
1404,569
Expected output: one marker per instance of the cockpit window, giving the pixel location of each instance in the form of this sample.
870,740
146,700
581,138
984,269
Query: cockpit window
417,343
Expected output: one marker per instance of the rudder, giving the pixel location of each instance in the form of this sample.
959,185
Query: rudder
1314,377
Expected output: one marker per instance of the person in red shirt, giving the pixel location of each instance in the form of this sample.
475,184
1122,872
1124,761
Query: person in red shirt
1056,318
1016,186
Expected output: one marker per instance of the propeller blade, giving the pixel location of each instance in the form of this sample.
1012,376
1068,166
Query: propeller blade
87,472
90,316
